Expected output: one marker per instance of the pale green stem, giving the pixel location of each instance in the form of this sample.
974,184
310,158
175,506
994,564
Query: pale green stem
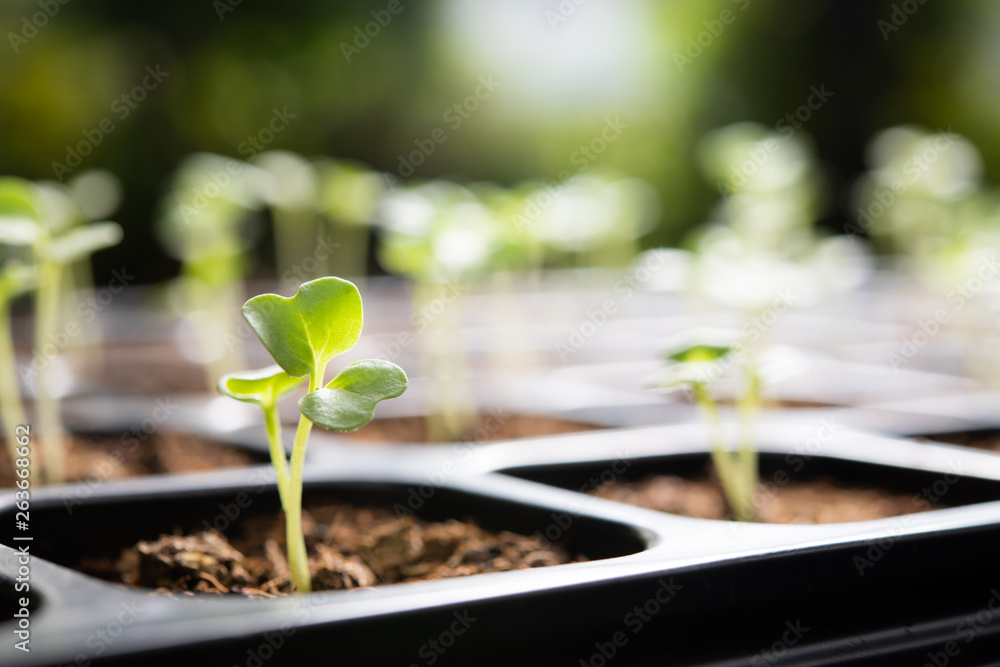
50,429
447,372
277,448
11,407
749,405
732,482
298,563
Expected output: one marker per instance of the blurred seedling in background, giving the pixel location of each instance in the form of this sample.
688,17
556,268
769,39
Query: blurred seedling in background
918,194
761,244
589,221
924,200
304,333
208,223
291,191
349,194
45,220
444,238
440,233
697,359
321,212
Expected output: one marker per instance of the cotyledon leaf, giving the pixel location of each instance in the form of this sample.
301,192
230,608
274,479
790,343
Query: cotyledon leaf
305,331
263,386
348,402
84,240
701,345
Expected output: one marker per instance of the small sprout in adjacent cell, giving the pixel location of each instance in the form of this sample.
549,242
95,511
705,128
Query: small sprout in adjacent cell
698,361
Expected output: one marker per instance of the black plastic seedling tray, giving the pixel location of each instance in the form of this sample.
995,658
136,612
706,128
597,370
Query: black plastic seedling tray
658,590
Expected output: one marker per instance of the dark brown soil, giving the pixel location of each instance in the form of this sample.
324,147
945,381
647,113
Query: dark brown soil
118,457
349,547
820,501
489,427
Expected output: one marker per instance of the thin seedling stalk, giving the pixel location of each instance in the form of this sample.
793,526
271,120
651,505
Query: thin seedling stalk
453,415
733,485
272,421
50,429
749,405
297,560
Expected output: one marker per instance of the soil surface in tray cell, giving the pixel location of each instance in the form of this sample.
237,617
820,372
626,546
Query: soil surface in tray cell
818,501
118,456
348,546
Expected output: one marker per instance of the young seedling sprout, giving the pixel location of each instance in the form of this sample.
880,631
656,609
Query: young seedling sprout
697,356
439,234
303,333
45,219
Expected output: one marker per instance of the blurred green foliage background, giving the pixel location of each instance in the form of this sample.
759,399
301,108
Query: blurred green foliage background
534,81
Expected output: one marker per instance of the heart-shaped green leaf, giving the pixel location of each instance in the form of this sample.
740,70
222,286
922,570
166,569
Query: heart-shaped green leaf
79,242
305,331
263,386
348,402
375,378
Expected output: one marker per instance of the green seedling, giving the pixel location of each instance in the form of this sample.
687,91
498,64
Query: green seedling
321,212
694,356
304,333
440,235
54,255
589,220
762,242
43,219
941,229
